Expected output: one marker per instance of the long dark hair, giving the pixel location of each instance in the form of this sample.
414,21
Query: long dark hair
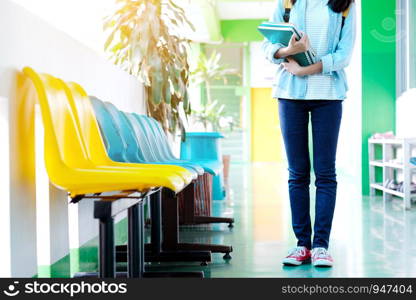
336,5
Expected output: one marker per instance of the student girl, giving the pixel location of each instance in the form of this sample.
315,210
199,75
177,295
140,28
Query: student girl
315,92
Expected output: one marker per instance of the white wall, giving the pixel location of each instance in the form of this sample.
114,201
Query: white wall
5,189
29,41
81,19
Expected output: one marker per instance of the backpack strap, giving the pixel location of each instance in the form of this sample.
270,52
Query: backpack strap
345,14
288,7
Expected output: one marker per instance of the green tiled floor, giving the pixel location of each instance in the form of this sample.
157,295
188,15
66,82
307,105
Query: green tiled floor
369,238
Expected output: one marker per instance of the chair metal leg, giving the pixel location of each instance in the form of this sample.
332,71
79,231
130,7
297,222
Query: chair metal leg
156,217
154,251
105,211
107,249
142,236
197,205
135,241
135,251
171,234
156,246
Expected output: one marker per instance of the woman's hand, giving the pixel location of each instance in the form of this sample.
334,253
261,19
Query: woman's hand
300,46
293,67
294,47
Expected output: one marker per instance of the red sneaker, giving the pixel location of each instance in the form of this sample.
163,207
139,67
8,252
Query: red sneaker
321,258
298,256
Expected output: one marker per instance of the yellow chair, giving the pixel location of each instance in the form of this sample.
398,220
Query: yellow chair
70,167
67,160
91,134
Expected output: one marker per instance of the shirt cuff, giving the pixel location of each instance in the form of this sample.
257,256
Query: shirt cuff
327,63
273,49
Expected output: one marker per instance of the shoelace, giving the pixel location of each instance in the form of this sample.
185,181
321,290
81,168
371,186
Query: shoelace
320,253
297,251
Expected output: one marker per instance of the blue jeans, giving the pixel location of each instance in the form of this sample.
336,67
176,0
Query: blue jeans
325,117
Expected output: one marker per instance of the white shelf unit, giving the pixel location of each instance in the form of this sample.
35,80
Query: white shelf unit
391,166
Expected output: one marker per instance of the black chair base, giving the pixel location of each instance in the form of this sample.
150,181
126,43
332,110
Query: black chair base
174,274
104,211
206,247
147,275
171,229
199,220
166,256
191,212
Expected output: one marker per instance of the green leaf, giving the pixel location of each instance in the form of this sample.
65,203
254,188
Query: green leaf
168,94
156,91
186,103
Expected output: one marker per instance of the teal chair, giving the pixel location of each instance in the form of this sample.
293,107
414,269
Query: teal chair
162,148
210,166
141,142
124,146
150,148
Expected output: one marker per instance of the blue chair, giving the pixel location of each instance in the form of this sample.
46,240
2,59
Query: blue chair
122,145
149,147
159,150
210,166
131,134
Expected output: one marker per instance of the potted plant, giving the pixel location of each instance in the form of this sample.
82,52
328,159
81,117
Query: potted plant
213,117
144,38
208,70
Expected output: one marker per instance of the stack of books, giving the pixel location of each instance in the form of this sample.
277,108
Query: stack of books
282,33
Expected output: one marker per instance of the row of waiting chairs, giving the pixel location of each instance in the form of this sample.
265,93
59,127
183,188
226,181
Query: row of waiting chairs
95,151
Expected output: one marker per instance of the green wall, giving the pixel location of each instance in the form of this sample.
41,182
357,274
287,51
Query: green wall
379,73
240,31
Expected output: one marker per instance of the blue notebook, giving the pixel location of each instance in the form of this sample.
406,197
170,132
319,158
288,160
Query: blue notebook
282,33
